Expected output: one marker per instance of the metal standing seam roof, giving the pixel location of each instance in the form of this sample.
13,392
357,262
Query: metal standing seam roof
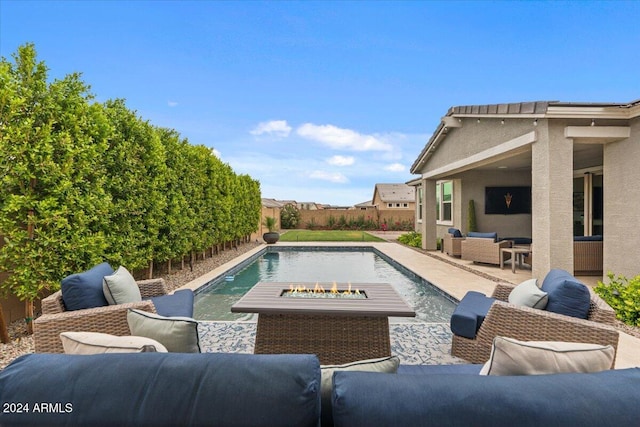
520,108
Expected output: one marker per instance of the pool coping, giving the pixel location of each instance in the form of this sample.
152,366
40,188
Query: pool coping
203,282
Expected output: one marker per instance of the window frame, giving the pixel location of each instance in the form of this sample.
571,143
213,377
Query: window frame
440,203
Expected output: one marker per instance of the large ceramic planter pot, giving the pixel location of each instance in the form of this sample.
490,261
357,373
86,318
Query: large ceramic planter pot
271,237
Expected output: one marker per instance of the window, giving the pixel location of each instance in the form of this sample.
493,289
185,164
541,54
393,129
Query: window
405,205
389,205
420,204
444,202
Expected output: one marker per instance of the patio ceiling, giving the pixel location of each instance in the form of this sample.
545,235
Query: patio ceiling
584,156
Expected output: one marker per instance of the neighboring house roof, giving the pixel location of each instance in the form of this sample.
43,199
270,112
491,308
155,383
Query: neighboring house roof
395,193
271,203
535,109
368,203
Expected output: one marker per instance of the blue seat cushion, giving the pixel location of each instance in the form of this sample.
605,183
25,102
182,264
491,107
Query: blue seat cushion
470,313
164,389
566,294
454,232
607,398
178,304
84,290
596,238
519,240
478,235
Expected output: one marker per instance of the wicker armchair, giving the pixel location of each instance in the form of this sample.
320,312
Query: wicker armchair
529,324
486,251
111,319
452,245
587,257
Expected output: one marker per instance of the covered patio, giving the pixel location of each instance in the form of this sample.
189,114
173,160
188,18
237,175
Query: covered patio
549,171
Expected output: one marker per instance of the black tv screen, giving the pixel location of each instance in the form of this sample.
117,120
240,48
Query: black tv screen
507,200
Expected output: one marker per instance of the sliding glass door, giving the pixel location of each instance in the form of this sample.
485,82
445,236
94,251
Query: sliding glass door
588,204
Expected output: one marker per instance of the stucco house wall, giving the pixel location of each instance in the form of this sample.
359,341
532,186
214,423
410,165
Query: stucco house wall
622,204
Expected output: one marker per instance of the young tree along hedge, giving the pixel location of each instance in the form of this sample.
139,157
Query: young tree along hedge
83,182
53,204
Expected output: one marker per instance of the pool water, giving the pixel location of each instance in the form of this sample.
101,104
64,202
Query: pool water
214,300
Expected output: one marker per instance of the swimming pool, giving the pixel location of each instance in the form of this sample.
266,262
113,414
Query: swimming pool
356,265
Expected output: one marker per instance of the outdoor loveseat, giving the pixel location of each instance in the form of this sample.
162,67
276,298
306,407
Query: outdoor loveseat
483,248
81,306
567,311
174,389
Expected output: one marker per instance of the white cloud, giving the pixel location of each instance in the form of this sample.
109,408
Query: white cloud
278,128
172,103
395,167
342,139
329,176
341,160
216,153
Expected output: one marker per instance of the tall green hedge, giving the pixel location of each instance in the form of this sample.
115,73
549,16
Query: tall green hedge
82,182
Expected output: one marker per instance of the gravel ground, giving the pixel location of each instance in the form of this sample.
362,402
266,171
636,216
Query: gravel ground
22,343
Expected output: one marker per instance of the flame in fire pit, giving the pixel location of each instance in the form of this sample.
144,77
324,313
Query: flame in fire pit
303,290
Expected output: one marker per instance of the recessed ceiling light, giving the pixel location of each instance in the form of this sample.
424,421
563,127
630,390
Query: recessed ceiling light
502,167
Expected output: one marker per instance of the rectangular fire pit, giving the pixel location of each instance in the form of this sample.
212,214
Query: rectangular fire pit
338,330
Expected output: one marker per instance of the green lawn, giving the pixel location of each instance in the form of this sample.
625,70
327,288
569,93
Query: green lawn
328,236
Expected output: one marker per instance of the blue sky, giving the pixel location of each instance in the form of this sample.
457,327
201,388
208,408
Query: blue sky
321,100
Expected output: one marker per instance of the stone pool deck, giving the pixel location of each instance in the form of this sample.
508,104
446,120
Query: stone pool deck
415,343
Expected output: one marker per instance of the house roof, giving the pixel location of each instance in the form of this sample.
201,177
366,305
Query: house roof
534,109
364,204
271,203
395,192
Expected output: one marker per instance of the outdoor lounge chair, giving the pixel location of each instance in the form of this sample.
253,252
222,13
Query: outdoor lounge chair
110,319
532,324
483,248
452,242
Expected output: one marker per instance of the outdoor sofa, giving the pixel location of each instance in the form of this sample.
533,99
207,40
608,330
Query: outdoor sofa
81,306
173,389
565,310
483,248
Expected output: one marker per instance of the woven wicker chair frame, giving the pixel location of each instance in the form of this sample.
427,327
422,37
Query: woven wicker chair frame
528,324
110,319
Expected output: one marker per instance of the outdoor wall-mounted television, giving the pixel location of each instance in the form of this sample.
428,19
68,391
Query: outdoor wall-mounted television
507,200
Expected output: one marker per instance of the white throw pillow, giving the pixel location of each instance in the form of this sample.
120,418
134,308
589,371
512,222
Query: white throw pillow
513,357
96,342
177,334
528,294
121,287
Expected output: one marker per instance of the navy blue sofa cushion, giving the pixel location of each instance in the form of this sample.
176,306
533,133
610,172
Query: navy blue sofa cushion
164,389
470,313
608,398
178,304
84,290
519,240
454,232
566,294
596,238
478,235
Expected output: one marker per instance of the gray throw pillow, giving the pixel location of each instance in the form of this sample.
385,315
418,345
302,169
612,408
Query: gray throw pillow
177,334
528,294
121,287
